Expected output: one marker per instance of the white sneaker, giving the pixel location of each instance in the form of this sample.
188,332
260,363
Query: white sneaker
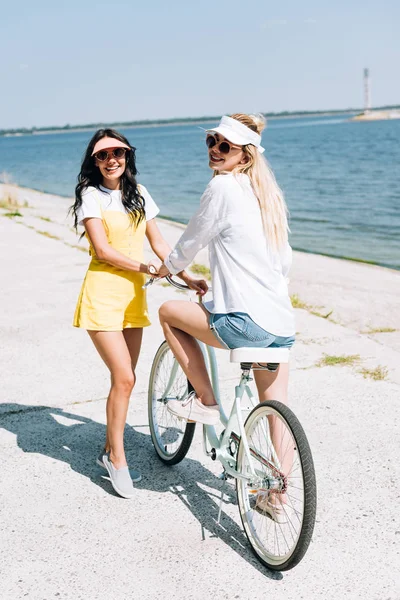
191,409
121,479
273,510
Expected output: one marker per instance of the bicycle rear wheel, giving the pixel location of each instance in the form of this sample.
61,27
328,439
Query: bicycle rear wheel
278,508
171,436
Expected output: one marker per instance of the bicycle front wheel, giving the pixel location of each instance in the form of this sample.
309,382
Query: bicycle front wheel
171,436
278,505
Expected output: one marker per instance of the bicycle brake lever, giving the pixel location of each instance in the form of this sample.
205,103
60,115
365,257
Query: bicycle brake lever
149,282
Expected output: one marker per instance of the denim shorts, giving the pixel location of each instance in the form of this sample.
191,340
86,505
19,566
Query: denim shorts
238,330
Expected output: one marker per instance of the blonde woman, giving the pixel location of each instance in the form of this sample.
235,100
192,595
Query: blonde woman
243,220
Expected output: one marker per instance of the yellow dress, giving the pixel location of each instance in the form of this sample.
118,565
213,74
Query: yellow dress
112,299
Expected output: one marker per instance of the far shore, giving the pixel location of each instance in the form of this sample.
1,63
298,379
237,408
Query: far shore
18,132
354,114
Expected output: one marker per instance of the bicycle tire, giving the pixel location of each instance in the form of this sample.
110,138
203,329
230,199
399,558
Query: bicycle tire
295,555
157,429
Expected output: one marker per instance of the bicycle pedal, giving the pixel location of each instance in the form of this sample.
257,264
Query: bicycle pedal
224,476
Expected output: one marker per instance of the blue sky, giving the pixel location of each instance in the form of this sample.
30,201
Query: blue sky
120,61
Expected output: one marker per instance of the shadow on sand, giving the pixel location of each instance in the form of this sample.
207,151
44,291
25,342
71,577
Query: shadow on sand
75,439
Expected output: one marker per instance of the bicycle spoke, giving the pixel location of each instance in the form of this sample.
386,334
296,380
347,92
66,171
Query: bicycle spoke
168,432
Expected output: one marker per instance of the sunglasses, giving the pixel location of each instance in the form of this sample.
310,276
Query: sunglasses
224,147
103,155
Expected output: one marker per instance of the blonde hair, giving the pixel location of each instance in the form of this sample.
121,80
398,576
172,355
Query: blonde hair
274,212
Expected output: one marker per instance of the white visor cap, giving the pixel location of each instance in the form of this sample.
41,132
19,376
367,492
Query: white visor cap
237,133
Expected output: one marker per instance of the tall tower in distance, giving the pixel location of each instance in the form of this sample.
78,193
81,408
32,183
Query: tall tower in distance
367,92
368,114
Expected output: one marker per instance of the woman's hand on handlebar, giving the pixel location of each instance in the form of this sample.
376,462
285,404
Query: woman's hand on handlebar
200,286
153,269
163,271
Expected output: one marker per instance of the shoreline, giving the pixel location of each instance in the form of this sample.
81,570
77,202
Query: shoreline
182,225
357,296
376,115
360,261
354,115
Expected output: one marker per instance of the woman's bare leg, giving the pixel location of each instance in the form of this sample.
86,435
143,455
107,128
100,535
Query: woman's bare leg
133,338
113,349
273,386
183,323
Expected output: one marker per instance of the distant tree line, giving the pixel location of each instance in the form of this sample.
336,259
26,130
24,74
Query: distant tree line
178,121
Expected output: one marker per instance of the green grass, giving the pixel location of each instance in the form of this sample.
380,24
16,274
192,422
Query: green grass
318,314
360,260
331,360
15,213
198,269
48,235
9,201
81,248
297,303
380,330
378,374
46,219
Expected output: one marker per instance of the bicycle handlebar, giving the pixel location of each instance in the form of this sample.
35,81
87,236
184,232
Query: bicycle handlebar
178,286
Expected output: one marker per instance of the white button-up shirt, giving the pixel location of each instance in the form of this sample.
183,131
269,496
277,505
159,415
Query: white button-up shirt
247,276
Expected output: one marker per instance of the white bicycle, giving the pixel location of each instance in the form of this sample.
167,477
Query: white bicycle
268,454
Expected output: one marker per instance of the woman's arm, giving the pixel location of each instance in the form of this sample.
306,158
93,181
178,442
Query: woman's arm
162,249
208,222
97,235
158,244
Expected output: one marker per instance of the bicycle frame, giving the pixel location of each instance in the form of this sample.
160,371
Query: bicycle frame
235,420
220,446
